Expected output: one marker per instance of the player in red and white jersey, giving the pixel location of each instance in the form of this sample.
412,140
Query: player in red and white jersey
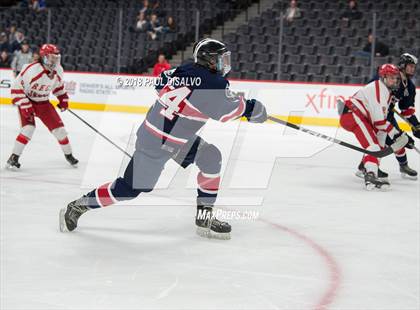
30,93
365,114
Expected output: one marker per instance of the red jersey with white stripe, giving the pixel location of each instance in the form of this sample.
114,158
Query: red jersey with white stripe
372,102
35,83
188,97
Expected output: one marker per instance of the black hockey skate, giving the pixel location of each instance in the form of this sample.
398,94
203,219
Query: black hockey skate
72,160
13,162
372,182
382,175
210,227
70,215
407,172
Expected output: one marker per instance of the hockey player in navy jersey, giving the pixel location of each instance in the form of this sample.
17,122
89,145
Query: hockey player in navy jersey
404,97
169,131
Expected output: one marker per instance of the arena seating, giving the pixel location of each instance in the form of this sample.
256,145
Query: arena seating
319,47
88,31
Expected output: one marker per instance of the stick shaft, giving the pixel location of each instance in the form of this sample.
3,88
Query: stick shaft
98,132
385,152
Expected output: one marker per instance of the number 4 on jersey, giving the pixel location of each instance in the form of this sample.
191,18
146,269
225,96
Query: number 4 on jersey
173,101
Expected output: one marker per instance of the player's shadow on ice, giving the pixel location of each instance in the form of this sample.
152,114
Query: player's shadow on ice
121,230
105,241
136,236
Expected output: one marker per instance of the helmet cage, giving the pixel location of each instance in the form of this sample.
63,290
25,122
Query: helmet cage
51,61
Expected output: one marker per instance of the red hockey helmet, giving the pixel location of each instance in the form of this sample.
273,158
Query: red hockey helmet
390,75
48,49
50,56
388,69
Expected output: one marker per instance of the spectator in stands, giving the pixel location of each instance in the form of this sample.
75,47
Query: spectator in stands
155,8
142,24
21,58
154,27
161,65
292,12
16,44
146,9
38,5
352,12
36,57
4,59
12,33
4,42
381,49
170,25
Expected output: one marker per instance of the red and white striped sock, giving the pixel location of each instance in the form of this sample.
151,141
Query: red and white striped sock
23,138
65,145
208,188
20,144
61,135
104,196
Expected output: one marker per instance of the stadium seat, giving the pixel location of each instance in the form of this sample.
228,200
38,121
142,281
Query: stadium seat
89,40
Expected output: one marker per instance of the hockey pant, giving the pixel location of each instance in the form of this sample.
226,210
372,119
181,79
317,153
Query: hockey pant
46,112
145,168
366,135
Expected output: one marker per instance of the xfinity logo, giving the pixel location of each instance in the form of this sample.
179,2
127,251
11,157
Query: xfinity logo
323,100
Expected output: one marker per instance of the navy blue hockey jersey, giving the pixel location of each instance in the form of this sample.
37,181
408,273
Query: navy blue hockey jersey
406,96
187,97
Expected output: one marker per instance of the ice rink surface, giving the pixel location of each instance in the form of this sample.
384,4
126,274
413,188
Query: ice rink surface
320,241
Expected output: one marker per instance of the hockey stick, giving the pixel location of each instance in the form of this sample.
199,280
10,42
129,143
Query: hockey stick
98,132
382,153
409,124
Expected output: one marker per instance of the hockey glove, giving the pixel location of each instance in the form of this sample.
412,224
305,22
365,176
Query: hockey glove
64,103
416,131
255,111
27,111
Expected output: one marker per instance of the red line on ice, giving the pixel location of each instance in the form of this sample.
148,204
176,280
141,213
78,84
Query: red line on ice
334,271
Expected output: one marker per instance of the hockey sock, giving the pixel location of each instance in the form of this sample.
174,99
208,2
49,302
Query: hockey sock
61,136
23,138
208,187
110,193
371,164
401,156
101,196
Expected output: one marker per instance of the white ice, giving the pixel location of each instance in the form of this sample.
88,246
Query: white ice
320,241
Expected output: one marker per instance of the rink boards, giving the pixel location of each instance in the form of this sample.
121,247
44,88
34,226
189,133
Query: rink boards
305,103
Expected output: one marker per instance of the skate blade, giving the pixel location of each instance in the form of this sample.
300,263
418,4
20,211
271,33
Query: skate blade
408,177
383,188
62,221
207,233
11,168
74,166
359,174
372,187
